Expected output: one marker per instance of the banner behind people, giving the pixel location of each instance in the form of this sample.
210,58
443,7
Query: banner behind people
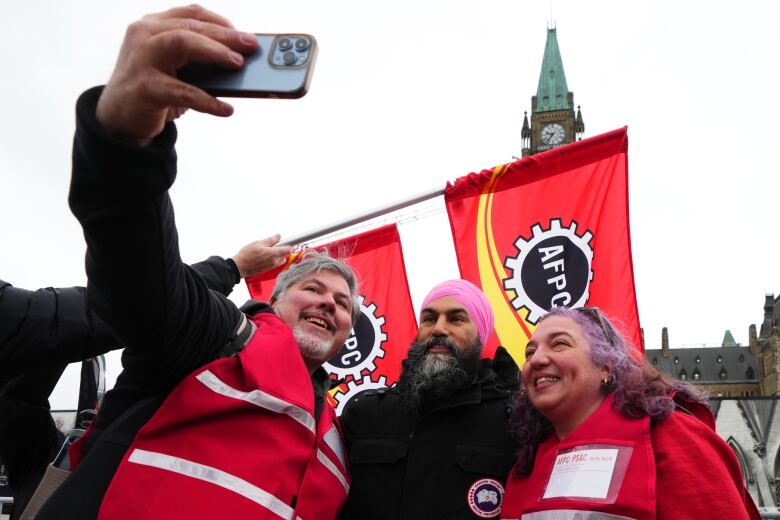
548,230
371,357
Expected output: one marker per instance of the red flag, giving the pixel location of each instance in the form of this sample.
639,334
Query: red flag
371,357
549,230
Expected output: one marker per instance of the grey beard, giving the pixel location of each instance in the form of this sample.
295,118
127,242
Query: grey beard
311,346
433,378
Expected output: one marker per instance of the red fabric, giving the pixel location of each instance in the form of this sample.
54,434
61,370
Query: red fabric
636,496
377,259
76,449
269,450
681,470
698,474
582,188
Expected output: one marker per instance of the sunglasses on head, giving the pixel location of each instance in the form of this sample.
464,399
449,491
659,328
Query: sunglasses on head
599,317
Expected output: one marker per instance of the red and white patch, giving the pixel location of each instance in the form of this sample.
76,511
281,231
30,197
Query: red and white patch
485,497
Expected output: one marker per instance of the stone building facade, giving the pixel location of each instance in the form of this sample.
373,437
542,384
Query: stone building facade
742,382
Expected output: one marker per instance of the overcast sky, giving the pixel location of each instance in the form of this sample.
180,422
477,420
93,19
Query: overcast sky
409,94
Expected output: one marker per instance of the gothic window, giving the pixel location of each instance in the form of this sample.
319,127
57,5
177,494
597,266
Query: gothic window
741,358
676,360
655,361
720,359
750,374
683,374
723,374
696,374
698,359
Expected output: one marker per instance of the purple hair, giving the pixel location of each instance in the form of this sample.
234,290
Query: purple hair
640,390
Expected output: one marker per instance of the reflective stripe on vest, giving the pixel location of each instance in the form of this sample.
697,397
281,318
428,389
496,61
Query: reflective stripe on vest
258,398
333,469
214,476
333,440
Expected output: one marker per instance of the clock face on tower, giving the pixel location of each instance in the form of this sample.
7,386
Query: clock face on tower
552,134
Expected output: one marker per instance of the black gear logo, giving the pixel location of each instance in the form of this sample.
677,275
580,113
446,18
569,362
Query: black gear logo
363,346
356,387
552,269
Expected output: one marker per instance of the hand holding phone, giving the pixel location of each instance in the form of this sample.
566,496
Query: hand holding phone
281,67
141,95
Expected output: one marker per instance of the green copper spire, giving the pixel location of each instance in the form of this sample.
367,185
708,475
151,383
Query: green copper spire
728,340
552,93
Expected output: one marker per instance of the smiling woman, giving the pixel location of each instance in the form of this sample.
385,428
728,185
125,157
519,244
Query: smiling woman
603,435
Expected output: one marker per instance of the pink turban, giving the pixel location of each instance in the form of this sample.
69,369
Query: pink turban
472,298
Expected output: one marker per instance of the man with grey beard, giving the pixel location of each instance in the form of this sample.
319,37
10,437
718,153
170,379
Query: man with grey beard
436,445
430,378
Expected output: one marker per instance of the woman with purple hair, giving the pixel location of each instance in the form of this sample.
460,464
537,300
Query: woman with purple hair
603,435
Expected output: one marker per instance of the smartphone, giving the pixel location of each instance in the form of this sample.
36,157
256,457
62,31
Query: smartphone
281,67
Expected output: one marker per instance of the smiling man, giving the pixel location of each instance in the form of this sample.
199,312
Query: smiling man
437,445
218,412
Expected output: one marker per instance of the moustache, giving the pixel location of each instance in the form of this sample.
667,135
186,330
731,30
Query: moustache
439,341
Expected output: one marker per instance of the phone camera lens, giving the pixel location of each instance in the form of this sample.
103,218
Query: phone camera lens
285,44
301,44
289,58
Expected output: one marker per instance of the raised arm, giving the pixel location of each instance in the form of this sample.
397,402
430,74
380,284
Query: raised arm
123,165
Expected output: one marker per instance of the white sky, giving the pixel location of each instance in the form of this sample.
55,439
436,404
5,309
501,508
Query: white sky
409,94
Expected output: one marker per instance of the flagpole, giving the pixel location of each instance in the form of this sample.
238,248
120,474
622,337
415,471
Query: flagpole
362,217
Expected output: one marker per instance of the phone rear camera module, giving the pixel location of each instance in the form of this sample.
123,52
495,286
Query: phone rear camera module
292,51
289,58
301,44
285,44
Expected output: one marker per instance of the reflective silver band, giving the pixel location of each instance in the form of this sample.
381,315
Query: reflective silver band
257,398
333,469
214,476
333,440
572,514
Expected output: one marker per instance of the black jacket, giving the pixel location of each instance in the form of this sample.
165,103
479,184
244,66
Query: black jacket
407,465
160,309
52,327
41,332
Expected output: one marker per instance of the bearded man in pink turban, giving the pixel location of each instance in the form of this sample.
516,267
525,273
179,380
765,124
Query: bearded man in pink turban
437,444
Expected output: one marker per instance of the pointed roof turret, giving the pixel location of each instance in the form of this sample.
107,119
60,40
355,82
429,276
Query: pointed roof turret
728,340
526,132
552,92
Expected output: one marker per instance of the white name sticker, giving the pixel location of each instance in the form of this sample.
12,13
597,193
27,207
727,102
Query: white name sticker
584,473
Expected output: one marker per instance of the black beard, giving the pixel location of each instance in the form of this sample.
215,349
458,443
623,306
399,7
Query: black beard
430,379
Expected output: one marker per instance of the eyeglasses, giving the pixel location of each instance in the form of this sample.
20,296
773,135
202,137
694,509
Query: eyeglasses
594,311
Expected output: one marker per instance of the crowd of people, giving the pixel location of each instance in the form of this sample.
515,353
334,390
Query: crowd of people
221,412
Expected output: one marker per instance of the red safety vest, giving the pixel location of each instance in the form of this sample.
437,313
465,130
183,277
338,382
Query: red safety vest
236,439
632,496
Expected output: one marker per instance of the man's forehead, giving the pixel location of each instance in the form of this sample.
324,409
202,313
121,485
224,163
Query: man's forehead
327,278
445,304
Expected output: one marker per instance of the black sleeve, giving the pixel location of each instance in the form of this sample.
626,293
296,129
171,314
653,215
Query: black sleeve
29,439
220,274
48,327
162,311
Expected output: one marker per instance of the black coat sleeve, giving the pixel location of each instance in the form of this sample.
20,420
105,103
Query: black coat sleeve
220,274
161,310
29,440
49,327
46,328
